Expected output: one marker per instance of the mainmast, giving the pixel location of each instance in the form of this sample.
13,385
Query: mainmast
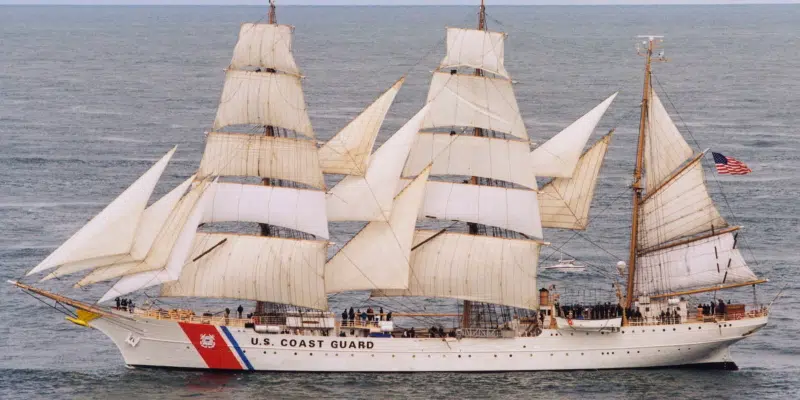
473,228
637,172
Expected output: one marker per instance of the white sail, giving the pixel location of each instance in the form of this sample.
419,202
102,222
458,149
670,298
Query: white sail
151,272
664,147
512,209
565,202
348,152
486,157
112,230
475,49
378,256
474,101
277,270
298,209
153,220
176,232
471,267
680,208
235,154
558,157
701,264
261,98
265,46
369,198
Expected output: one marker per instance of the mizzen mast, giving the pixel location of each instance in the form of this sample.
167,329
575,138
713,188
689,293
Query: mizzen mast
637,172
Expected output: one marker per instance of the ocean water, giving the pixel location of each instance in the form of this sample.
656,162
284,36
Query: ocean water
91,96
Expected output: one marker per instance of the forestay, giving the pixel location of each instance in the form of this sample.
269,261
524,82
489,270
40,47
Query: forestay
474,101
236,154
471,267
369,198
565,202
680,208
664,147
348,152
153,220
277,270
378,256
113,230
486,157
263,98
265,46
512,209
558,157
475,49
701,264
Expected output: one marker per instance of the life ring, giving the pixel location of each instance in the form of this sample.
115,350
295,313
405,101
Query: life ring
569,321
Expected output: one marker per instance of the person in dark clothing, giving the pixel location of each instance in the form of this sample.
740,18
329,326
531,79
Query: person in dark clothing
130,306
441,332
352,315
370,314
389,316
721,307
344,316
412,333
713,308
240,310
124,303
118,302
382,315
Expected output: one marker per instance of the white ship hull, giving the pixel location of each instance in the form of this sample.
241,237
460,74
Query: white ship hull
167,343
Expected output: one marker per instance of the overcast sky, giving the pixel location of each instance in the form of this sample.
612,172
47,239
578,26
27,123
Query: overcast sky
392,2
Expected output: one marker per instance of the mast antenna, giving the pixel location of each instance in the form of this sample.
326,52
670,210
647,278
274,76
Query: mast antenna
273,19
644,48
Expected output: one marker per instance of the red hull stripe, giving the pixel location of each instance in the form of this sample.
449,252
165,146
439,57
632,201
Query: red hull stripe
211,345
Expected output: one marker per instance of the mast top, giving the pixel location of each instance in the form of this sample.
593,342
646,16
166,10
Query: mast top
482,17
273,19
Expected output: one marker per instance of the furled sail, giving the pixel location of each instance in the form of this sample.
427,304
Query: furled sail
277,270
565,202
298,209
113,230
507,208
680,208
475,48
265,46
348,152
471,267
558,157
236,154
153,220
664,147
369,198
473,101
378,256
501,159
263,98
704,263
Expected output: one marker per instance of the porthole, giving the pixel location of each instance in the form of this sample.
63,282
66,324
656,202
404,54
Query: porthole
326,354
567,354
274,352
612,352
690,328
673,329
373,356
352,355
310,354
392,355
336,355
637,351
295,353
602,354
414,356
459,356
510,355
524,347
551,354
265,352
469,356
429,356
531,354
664,330
244,351
629,352
572,334
495,356
581,353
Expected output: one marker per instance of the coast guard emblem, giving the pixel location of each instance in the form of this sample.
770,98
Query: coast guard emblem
207,341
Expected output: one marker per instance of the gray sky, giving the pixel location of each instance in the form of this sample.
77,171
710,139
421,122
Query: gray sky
391,2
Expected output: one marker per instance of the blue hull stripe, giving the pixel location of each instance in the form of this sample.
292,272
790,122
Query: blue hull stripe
236,346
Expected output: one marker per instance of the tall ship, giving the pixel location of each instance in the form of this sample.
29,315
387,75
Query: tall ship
450,208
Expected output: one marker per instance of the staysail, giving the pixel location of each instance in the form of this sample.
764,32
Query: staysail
558,157
565,202
348,152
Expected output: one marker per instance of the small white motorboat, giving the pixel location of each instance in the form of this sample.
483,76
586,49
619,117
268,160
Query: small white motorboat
565,266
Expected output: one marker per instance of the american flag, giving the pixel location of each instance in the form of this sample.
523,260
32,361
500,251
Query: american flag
730,165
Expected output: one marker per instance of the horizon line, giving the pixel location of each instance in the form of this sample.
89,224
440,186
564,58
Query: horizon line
411,4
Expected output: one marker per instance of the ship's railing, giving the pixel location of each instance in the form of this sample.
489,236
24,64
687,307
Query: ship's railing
695,318
190,316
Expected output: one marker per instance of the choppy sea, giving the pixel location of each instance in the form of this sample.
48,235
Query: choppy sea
91,96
